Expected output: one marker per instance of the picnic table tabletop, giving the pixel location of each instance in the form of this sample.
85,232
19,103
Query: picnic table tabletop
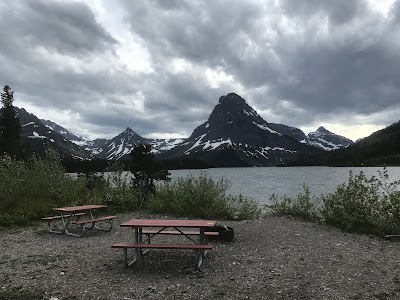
71,209
168,223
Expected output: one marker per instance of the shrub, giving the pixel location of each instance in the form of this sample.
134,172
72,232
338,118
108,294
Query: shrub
201,197
364,205
120,196
302,206
29,190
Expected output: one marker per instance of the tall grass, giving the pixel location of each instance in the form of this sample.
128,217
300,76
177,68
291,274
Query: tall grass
201,197
363,205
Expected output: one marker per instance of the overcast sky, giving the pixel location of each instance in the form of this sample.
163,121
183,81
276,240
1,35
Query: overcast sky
159,67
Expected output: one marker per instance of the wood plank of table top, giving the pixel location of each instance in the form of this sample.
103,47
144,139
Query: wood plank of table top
79,208
168,223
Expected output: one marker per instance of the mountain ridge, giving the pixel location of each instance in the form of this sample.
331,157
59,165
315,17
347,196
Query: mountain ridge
234,135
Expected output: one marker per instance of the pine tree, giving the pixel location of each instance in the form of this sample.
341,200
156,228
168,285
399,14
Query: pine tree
10,128
146,169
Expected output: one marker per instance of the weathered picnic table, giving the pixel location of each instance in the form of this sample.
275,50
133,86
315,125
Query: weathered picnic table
83,216
143,237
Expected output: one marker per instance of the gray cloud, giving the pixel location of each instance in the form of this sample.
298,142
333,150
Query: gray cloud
338,11
344,66
298,62
67,28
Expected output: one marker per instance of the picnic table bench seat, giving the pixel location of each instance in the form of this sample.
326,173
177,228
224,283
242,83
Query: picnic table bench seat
196,247
86,221
92,222
50,219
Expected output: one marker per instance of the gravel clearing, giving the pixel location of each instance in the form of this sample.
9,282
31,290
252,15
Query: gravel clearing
274,258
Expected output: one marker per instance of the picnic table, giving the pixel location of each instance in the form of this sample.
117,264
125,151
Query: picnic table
145,233
83,217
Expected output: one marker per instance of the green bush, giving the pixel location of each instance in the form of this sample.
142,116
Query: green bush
201,197
120,196
29,190
362,205
303,206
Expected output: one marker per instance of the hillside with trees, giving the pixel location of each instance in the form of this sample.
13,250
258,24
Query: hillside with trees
380,148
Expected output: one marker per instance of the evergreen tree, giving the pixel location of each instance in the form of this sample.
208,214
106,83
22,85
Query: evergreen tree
10,128
146,169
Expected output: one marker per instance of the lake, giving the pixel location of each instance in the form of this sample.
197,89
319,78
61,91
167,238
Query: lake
260,183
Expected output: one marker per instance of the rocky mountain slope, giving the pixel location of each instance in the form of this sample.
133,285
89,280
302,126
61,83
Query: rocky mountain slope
116,148
38,137
322,138
327,140
235,135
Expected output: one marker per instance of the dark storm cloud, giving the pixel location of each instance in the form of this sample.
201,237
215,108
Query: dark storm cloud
67,28
37,30
329,57
338,11
349,69
209,32
297,62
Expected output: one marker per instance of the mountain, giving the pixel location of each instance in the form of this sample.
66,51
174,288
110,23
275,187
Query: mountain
326,140
380,148
121,146
38,137
116,148
235,135
322,138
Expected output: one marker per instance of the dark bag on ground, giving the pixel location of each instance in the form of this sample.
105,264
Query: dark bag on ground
225,233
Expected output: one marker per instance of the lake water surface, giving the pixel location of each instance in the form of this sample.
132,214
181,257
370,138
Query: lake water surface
260,183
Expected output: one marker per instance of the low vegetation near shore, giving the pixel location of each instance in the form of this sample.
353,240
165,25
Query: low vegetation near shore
30,189
202,197
363,205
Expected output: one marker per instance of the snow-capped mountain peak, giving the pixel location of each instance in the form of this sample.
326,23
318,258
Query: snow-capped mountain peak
236,135
327,140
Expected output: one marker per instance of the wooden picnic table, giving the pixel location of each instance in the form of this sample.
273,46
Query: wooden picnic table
72,215
143,237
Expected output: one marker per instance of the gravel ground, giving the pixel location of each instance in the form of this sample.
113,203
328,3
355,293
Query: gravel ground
274,258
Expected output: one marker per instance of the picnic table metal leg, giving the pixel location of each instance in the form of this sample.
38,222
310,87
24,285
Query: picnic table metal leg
125,258
198,259
138,240
92,216
49,228
203,241
66,224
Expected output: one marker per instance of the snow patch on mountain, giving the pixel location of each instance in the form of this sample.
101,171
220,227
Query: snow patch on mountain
36,135
216,144
265,127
